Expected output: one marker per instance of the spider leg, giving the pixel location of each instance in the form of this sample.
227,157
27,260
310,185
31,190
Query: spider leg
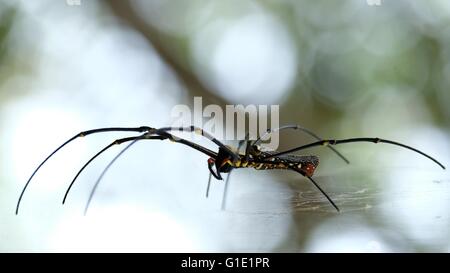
115,142
193,145
212,172
81,134
225,191
302,129
208,185
91,195
203,133
227,181
318,187
142,137
352,140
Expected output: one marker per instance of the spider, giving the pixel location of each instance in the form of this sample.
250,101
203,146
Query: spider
225,159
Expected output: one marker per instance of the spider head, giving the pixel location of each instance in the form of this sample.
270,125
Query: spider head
254,150
216,167
223,163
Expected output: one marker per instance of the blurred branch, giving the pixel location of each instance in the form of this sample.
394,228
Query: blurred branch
161,41
6,22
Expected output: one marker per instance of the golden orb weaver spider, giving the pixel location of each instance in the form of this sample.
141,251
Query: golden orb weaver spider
225,160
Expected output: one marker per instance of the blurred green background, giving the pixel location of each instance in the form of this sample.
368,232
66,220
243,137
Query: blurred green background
340,68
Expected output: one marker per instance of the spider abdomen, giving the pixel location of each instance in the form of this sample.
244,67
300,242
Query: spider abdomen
307,164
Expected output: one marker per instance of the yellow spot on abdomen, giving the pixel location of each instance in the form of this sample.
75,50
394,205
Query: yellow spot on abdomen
237,164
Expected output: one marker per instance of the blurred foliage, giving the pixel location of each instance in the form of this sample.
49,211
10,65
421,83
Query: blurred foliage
7,19
7,16
348,51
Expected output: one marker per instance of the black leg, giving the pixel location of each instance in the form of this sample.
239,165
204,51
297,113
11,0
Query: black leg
91,195
302,129
318,187
352,140
227,181
225,191
116,142
82,134
201,132
208,185
142,137
212,172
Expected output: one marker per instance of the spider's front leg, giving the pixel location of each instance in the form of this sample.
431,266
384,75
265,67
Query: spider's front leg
219,165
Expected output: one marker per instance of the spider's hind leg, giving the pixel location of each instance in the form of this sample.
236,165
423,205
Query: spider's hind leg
115,142
317,186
